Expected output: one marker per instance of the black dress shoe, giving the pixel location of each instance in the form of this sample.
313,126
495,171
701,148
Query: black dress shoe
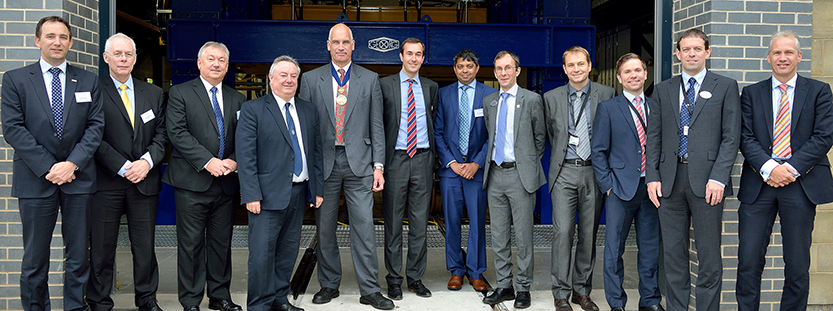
191,308
522,300
377,301
224,305
394,292
286,307
418,288
324,295
500,295
150,306
618,309
656,307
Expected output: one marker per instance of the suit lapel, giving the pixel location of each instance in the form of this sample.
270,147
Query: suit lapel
36,78
69,92
675,102
594,102
229,114
326,90
115,99
199,90
141,105
709,83
765,102
354,86
624,107
799,98
277,115
519,106
397,94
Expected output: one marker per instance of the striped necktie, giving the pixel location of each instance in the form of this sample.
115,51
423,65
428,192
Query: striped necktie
781,143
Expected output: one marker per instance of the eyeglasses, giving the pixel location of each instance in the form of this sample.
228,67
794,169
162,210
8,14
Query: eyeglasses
127,55
507,69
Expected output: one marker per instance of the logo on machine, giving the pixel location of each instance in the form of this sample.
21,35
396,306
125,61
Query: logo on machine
383,44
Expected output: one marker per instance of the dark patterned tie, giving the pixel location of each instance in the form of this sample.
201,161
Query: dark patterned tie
290,125
340,109
57,100
685,117
218,114
465,119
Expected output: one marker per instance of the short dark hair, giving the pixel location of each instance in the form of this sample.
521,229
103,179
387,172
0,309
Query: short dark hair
576,49
51,19
411,40
515,58
466,54
693,33
629,56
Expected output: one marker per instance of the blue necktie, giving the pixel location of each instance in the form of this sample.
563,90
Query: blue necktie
290,124
465,120
218,114
500,133
685,117
57,100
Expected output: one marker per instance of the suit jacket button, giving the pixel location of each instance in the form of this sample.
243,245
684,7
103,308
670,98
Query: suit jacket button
292,158
54,134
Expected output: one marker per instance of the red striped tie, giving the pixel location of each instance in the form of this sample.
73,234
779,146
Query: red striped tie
781,143
412,139
641,130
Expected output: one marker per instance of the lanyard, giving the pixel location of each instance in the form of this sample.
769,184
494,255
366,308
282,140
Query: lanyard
638,116
346,75
685,98
583,107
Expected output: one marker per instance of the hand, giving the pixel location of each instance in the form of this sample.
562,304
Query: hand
457,168
469,169
137,171
61,173
781,176
318,200
378,181
655,192
772,183
215,167
253,206
714,193
229,166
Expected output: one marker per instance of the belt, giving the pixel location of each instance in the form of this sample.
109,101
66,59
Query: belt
504,164
418,151
579,162
781,161
683,159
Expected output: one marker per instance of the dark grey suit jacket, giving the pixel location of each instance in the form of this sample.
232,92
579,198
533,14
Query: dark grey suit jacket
364,130
392,95
713,135
195,137
29,127
530,136
122,143
557,107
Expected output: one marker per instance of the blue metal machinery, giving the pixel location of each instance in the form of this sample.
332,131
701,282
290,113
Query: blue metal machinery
538,31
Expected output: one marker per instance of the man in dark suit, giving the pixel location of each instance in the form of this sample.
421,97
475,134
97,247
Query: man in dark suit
517,135
693,137
201,120
273,129
460,134
570,110
619,139
786,134
349,102
410,103
52,117
129,177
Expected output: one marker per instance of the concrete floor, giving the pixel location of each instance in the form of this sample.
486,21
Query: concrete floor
435,279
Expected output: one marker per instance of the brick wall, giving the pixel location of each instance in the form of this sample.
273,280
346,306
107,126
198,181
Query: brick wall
739,34
18,19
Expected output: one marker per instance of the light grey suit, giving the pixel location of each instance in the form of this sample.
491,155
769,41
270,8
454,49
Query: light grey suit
511,191
349,167
574,191
713,140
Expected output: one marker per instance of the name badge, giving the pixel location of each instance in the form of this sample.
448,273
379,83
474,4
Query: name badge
685,130
238,114
573,140
83,97
478,112
147,116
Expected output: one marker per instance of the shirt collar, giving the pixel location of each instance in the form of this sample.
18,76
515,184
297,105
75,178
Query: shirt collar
208,85
44,66
281,102
345,67
403,77
630,96
118,83
790,83
512,91
472,84
584,90
699,77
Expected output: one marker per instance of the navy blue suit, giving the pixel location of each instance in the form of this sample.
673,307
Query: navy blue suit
457,191
617,161
265,165
811,135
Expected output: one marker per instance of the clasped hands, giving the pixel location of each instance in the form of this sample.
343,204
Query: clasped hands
61,173
219,167
781,176
465,170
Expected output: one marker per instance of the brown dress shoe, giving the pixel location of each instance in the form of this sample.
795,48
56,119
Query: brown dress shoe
478,284
455,283
562,305
585,302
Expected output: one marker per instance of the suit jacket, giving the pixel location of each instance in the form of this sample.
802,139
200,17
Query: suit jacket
364,130
557,107
29,127
530,136
713,135
392,95
617,153
447,130
264,145
121,142
811,135
195,137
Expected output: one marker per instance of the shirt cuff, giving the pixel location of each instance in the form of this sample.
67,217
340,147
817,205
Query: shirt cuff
767,168
206,163
448,165
793,168
147,157
717,182
123,168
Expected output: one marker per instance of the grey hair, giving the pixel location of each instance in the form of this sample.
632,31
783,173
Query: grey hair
284,58
334,27
216,45
109,44
785,34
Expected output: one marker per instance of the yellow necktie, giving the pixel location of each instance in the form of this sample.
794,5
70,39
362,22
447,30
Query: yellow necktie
126,102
